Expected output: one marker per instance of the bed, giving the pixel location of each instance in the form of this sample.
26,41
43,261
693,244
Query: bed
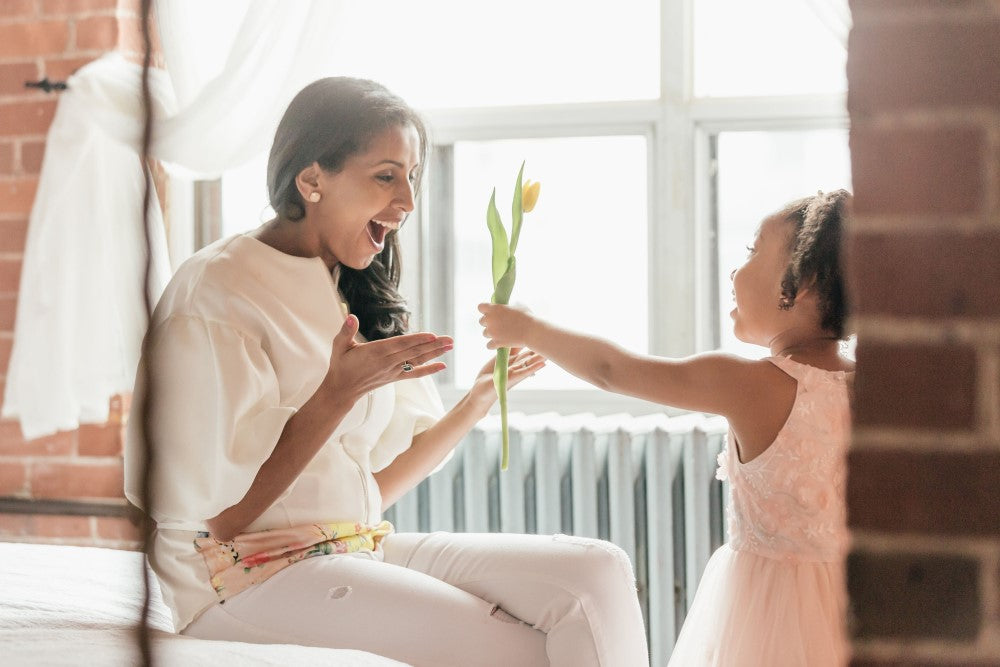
63,605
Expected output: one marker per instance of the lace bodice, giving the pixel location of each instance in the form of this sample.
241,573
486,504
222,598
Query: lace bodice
788,503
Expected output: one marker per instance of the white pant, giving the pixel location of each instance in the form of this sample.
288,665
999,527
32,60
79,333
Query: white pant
444,599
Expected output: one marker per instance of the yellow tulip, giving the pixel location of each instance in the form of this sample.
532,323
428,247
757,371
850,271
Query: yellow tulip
529,195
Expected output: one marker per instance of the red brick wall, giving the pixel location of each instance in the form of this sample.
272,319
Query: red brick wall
924,267
51,38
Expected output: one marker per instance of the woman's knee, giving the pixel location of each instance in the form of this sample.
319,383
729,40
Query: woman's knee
595,560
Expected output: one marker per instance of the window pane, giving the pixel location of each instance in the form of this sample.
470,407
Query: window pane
770,47
244,197
758,173
456,53
581,258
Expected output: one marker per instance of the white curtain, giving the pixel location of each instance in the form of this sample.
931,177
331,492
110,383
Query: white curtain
835,16
80,314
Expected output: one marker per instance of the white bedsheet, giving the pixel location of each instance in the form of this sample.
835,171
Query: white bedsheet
62,605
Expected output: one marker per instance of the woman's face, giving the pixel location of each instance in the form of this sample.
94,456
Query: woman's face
370,195
757,284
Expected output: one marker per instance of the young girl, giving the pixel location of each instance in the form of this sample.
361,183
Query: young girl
774,595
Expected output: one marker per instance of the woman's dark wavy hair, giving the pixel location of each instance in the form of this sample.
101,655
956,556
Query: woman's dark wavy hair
327,122
815,255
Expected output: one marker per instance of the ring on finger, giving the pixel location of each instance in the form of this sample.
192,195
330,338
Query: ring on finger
407,367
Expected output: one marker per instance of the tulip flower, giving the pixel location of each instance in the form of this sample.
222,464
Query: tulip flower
529,195
504,271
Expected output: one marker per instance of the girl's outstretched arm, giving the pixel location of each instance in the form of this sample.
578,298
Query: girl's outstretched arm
712,382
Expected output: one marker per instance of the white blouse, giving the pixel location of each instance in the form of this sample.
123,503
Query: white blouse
240,339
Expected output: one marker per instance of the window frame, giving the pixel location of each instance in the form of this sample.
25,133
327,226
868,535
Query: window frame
680,131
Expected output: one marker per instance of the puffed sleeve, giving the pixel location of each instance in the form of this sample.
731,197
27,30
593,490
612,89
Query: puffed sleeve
216,417
418,407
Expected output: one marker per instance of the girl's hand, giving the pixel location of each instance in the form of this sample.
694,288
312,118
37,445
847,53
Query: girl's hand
522,365
505,326
357,368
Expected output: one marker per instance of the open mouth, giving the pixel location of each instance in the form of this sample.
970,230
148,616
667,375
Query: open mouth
377,231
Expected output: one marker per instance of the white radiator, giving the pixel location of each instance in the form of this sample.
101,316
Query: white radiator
645,483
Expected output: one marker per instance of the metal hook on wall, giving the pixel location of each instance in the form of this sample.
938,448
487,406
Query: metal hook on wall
46,85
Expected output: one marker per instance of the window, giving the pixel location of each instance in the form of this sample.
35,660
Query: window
769,47
663,131
582,251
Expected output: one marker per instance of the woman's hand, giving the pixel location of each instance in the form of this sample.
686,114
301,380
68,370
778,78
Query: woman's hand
522,365
505,326
357,368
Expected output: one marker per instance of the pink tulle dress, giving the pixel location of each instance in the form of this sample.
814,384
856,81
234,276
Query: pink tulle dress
774,595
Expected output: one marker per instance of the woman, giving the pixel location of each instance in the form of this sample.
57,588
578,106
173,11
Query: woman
282,425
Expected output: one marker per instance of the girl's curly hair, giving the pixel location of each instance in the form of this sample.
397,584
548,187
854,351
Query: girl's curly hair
815,255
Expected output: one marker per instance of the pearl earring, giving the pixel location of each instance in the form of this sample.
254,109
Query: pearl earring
314,196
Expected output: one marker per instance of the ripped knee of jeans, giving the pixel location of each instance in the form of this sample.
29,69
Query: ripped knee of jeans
338,592
616,553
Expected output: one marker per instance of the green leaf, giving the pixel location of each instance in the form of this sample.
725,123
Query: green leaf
499,236
501,293
516,212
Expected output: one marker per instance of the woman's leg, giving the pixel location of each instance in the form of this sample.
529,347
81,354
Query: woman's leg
580,592
360,603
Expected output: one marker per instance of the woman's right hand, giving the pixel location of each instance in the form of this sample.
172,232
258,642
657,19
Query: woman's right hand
357,368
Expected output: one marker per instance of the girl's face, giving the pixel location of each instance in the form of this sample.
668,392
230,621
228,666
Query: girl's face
370,195
757,284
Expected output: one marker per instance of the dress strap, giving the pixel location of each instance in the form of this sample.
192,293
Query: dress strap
790,367
809,374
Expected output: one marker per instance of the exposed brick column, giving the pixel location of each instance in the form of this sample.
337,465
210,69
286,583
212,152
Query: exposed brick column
51,38
924,271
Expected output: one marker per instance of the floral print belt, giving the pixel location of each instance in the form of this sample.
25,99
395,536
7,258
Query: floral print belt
251,558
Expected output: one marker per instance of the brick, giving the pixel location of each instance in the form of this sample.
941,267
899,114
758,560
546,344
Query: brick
6,157
13,234
67,480
66,7
13,479
13,76
958,275
60,69
21,118
129,7
917,386
865,8
10,276
46,525
6,343
19,8
936,170
38,38
912,662
117,528
923,65
118,408
14,525
17,196
98,33
935,493
12,442
911,596
99,440
8,312
32,153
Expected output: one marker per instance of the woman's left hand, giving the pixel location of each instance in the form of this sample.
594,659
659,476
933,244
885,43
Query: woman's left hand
522,365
